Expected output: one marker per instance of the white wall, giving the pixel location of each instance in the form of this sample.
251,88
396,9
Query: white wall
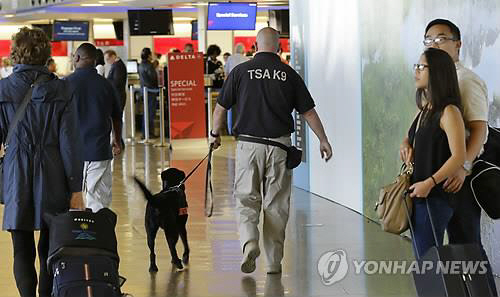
334,80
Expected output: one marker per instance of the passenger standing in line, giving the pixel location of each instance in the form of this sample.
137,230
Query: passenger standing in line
6,69
99,112
117,75
100,62
149,79
236,59
188,48
465,224
233,61
265,92
42,169
438,135
213,66
51,65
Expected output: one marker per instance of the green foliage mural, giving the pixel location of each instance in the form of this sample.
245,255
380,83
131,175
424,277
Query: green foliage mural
388,92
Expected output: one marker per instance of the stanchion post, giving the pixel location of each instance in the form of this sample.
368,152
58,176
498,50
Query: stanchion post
169,123
146,115
132,115
162,118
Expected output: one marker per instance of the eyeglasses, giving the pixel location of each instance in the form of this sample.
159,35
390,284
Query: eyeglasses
419,67
437,40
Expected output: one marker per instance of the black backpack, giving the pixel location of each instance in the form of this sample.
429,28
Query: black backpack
83,255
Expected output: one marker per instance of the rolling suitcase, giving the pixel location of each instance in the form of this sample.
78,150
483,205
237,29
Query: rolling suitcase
458,270
83,256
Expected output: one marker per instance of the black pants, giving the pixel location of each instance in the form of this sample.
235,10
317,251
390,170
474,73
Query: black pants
465,224
24,263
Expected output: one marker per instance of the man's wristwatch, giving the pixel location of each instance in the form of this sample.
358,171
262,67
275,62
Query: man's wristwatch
467,166
213,134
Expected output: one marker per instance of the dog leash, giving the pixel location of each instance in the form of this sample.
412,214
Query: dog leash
197,166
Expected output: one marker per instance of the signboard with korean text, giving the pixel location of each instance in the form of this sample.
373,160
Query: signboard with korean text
187,95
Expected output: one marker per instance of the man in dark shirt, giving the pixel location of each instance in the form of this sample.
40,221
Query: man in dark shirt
99,112
117,75
264,92
149,79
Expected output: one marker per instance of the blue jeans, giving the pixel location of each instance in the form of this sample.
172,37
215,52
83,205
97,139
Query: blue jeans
441,213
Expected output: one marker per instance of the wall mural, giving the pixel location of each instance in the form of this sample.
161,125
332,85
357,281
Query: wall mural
391,42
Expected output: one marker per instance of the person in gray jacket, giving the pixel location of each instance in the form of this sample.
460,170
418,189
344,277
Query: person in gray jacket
42,166
149,79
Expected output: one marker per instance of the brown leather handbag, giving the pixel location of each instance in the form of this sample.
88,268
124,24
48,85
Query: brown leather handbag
390,207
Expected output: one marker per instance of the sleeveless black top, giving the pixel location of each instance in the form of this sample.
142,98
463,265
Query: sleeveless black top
431,150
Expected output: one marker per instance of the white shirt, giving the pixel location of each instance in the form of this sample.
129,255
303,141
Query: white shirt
6,71
234,61
474,95
100,69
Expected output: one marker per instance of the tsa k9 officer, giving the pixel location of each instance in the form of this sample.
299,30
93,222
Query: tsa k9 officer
264,92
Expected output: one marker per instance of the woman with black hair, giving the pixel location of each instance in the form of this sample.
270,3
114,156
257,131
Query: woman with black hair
438,150
99,62
214,66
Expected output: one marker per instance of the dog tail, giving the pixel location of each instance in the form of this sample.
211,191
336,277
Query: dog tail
147,194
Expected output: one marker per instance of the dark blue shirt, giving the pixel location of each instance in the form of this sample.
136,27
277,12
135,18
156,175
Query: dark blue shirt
263,92
97,104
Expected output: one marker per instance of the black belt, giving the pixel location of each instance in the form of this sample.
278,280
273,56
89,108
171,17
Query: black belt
262,141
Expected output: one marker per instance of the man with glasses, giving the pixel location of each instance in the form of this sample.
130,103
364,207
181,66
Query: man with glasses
465,224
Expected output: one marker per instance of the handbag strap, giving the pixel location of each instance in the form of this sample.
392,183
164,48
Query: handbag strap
416,128
263,141
22,108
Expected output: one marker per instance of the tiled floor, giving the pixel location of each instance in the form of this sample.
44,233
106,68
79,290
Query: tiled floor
316,226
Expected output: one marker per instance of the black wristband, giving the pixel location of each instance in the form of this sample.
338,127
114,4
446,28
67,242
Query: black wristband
435,183
213,135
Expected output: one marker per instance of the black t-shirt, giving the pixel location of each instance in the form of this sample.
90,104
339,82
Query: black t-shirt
263,92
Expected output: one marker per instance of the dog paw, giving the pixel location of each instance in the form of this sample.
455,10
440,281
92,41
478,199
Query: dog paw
178,265
153,268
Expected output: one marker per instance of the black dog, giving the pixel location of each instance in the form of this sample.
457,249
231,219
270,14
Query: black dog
168,210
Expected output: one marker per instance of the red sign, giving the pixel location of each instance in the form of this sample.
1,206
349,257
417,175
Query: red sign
187,95
164,45
109,42
59,48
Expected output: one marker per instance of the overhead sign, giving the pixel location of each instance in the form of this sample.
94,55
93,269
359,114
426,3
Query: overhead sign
71,31
231,16
187,95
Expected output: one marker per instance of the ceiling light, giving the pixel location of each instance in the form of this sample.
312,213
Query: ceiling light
180,19
200,4
9,15
91,4
98,20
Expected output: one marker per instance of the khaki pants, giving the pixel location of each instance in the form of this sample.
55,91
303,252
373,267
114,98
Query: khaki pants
97,182
262,179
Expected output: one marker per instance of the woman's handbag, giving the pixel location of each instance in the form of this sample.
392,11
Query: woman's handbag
390,207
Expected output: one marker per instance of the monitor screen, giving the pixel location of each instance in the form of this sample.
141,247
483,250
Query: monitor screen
151,22
232,16
280,20
194,30
132,66
71,31
47,28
